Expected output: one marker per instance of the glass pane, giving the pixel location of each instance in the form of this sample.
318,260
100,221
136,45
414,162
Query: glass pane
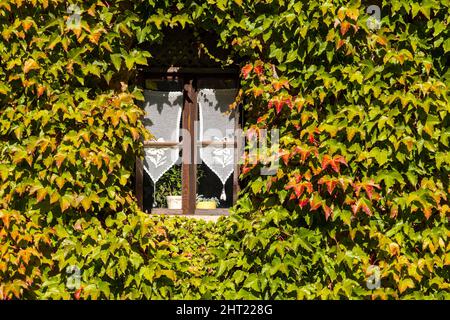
209,188
169,185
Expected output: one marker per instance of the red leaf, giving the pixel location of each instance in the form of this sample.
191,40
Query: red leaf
366,209
246,70
340,159
369,191
278,106
325,161
328,211
303,153
78,293
340,44
245,170
331,185
335,166
311,138
299,190
288,102
303,203
258,70
355,208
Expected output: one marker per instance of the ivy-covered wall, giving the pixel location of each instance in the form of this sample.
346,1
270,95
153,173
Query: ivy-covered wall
361,193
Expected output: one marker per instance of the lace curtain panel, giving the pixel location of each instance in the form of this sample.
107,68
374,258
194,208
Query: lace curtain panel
217,123
162,119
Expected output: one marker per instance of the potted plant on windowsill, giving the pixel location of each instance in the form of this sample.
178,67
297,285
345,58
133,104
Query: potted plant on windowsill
173,193
207,203
174,201
169,187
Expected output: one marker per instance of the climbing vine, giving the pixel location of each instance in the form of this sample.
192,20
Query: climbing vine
357,207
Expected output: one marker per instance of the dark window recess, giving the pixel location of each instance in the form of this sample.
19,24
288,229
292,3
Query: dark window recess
181,63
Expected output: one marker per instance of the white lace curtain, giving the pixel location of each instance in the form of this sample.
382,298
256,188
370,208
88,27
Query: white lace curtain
163,115
217,123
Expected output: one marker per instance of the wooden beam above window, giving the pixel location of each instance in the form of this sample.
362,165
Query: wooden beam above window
216,72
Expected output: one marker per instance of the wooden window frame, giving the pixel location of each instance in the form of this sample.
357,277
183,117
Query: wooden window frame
189,78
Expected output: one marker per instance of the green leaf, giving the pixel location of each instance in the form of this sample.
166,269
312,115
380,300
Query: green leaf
252,282
116,59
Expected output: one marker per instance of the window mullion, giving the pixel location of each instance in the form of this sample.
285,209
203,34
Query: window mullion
189,168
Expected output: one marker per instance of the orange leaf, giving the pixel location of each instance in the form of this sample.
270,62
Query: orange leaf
59,158
394,211
257,92
381,40
40,91
327,210
246,70
340,44
427,212
394,249
27,25
344,27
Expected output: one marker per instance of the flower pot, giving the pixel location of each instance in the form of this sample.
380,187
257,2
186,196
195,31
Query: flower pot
173,202
206,205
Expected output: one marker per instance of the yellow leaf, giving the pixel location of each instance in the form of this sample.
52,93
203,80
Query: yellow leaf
29,65
41,194
64,203
353,13
86,203
168,273
341,13
405,284
54,197
381,40
135,133
60,181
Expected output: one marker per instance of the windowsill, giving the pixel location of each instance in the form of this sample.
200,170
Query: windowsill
198,212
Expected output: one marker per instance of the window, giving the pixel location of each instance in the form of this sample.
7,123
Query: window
194,132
